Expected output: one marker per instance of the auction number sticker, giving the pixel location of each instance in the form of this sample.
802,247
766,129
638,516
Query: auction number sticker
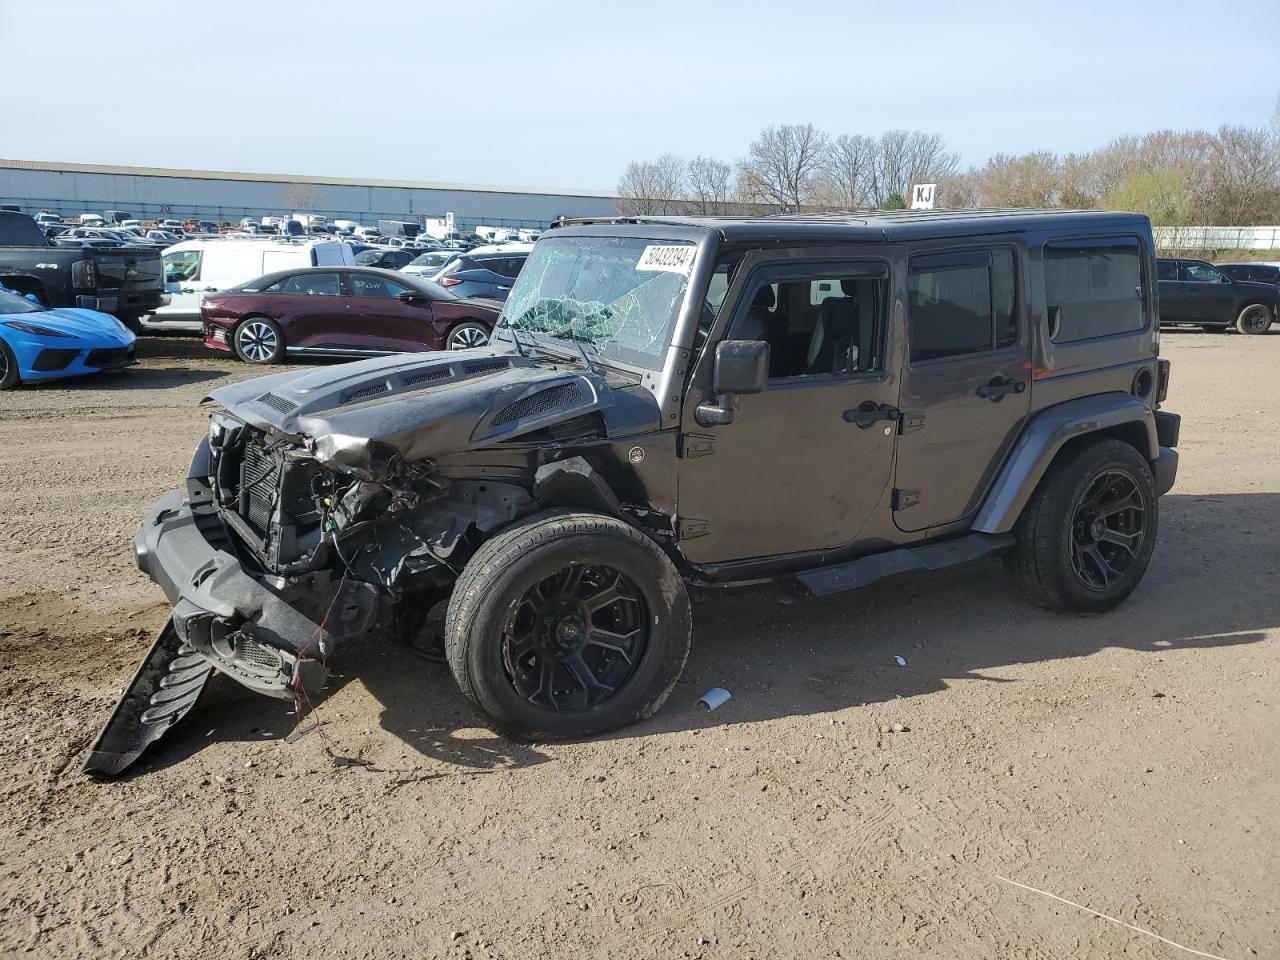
673,258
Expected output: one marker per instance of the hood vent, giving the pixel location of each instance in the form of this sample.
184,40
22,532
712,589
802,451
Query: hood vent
278,403
487,366
426,376
541,402
363,393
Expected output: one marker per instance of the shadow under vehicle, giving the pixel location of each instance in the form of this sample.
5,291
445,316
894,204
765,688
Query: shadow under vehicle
825,400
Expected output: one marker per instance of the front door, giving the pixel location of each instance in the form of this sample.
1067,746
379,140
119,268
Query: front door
381,320
804,464
966,386
1207,292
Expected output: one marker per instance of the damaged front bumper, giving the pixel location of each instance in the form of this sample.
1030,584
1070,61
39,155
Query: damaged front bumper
270,633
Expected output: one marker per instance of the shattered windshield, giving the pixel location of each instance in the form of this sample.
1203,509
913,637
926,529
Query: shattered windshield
619,295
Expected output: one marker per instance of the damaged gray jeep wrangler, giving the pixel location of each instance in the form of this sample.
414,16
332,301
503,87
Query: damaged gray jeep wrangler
830,399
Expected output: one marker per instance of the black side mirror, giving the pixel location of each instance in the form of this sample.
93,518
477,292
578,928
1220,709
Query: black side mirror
412,298
741,366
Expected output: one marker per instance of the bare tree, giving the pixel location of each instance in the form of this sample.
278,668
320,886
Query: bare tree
1031,180
782,164
709,185
652,188
849,175
1242,181
907,157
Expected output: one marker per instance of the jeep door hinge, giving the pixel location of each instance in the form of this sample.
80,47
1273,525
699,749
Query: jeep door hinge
693,445
902,499
691,529
910,421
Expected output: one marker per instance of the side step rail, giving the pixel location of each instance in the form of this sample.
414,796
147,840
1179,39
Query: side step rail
166,686
867,570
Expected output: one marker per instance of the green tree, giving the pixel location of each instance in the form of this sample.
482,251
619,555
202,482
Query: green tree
1162,195
894,201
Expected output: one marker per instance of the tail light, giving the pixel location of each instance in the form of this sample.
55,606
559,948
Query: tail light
1162,381
84,273
448,281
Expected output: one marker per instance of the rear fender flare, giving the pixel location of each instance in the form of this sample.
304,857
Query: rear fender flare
1108,414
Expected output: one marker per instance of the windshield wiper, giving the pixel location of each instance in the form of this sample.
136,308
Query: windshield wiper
578,341
515,338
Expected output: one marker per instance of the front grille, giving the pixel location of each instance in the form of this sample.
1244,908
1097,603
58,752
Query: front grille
277,403
51,359
258,656
259,481
538,403
109,356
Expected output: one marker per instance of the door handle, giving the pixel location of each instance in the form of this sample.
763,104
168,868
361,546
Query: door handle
210,289
188,289
870,413
998,387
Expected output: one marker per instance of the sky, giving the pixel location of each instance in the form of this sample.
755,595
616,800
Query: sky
564,94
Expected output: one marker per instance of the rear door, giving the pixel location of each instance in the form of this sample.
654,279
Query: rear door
311,308
1206,292
1173,304
966,382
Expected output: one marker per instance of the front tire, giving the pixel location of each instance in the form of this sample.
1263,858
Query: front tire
567,625
467,335
259,340
1086,536
8,367
1254,319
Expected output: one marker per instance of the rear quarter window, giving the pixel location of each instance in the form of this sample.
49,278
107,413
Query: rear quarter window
1093,288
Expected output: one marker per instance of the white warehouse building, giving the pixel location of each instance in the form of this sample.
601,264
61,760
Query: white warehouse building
152,193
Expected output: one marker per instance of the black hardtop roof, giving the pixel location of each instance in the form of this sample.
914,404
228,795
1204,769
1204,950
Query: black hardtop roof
882,225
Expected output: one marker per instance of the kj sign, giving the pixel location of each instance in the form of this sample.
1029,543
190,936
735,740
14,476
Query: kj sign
922,196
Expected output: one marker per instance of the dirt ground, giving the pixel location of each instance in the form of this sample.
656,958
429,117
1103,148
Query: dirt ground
1126,762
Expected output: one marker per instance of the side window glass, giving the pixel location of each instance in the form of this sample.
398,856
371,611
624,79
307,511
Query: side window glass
182,265
840,334
1202,273
952,305
309,284
1093,289
1166,270
363,285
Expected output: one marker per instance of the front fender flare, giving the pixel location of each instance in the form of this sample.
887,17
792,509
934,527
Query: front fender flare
1048,432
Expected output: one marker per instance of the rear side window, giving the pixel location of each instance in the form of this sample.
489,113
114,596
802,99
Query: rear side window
308,284
961,303
1093,288
1166,270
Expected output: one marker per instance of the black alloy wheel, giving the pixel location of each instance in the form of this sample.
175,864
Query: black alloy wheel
575,638
1107,530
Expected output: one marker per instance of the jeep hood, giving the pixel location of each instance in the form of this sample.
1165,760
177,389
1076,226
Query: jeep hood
358,417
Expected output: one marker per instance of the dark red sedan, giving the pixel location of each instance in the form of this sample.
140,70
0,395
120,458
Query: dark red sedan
342,311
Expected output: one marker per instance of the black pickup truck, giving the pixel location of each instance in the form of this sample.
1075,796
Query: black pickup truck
124,281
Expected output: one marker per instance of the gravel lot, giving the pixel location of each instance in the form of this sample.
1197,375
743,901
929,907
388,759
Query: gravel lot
1126,762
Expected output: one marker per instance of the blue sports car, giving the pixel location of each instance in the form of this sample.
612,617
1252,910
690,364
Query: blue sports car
37,343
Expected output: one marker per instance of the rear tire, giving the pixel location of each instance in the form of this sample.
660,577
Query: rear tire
1254,319
557,595
1086,536
259,340
467,335
8,367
